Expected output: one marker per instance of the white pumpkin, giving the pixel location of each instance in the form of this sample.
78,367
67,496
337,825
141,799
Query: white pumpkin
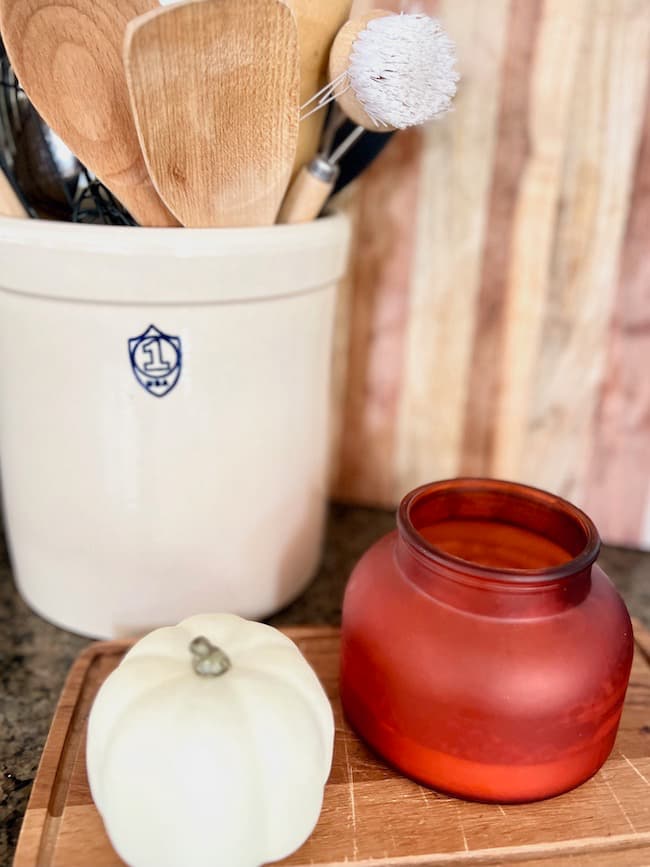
210,744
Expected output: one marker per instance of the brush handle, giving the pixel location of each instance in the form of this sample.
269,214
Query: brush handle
361,156
309,192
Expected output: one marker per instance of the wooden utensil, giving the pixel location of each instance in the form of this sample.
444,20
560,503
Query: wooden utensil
214,90
68,58
314,183
318,23
371,814
10,204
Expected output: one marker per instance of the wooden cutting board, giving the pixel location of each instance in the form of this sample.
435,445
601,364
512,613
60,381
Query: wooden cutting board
494,320
372,815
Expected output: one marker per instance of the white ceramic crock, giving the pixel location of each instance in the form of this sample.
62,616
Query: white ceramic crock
164,417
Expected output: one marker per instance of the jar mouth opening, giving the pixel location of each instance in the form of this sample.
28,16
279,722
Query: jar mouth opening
562,525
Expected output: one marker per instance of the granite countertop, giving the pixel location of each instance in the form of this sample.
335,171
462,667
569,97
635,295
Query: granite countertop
35,656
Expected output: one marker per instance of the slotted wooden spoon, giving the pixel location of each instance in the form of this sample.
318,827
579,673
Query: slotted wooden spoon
214,88
67,55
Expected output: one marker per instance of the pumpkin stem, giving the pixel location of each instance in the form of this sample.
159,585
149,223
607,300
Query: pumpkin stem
209,661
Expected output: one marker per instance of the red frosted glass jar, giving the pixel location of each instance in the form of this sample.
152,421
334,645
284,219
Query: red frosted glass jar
483,651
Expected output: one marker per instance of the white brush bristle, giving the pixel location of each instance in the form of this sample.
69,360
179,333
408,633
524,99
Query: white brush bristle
402,70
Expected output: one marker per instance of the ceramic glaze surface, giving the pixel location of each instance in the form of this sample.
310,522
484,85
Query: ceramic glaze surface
164,399
483,651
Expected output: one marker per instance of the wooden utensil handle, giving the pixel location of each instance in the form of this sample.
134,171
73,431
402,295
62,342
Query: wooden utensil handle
308,192
318,23
10,204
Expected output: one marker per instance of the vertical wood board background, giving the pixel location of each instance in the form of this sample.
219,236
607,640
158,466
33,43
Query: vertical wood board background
495,319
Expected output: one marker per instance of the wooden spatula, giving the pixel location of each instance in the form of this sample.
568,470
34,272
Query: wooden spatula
318,23
214,90
68,58
10,204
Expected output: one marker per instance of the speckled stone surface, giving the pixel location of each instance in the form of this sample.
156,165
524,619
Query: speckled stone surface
35,656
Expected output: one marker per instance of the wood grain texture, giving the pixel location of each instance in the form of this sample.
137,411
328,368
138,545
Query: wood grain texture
306,198
522,270
618,487
371,815
68,58
578,187
378,311
511,151
214,89
318,23
454,226
373,314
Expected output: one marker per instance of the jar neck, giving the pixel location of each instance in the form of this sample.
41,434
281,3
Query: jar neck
496,548
491,597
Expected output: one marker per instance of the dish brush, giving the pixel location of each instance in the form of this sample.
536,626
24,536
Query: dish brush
387,71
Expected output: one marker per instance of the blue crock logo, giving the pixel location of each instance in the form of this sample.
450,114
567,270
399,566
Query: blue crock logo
156,359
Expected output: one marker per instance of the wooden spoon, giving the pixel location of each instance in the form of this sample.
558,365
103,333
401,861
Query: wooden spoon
67,55
214,90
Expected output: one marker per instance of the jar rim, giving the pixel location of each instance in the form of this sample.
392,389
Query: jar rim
585,558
